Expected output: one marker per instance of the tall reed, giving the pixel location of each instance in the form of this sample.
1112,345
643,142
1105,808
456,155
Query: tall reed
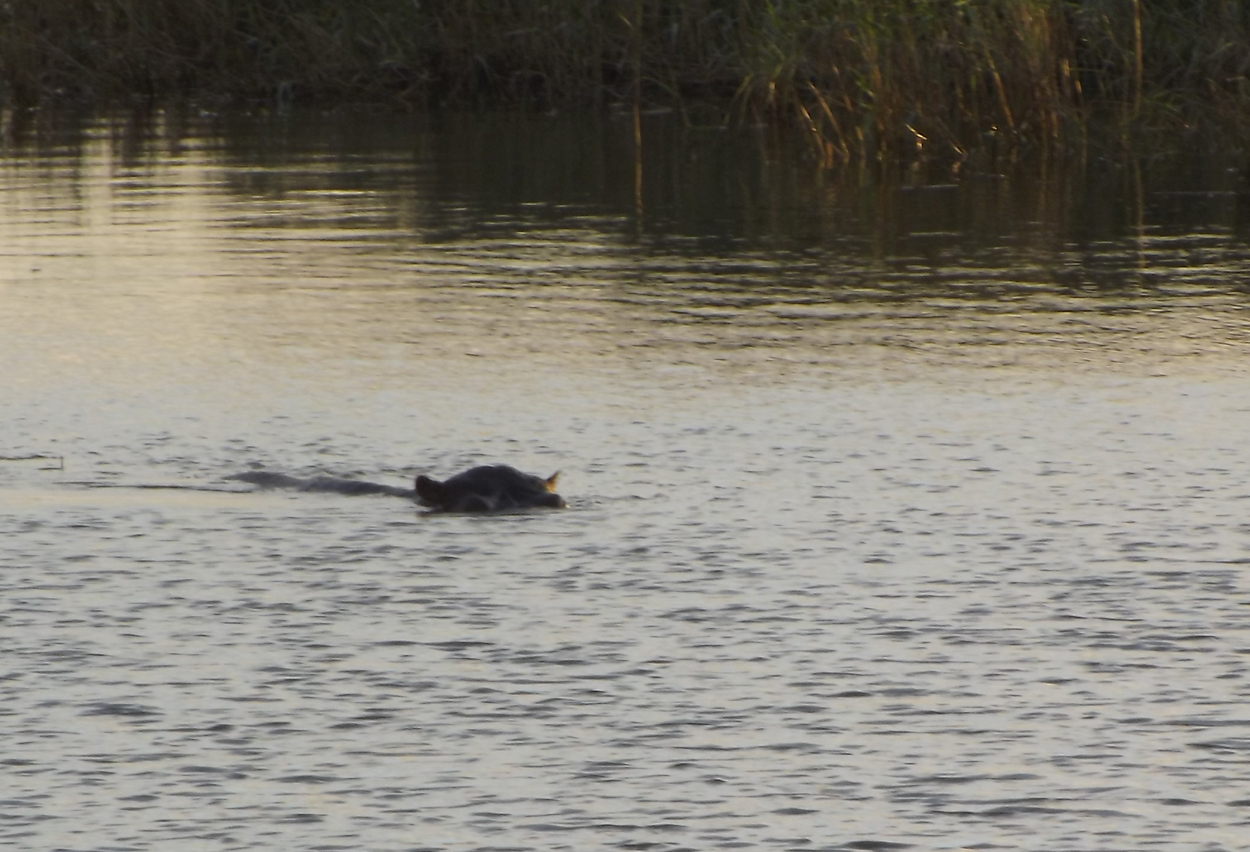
863,77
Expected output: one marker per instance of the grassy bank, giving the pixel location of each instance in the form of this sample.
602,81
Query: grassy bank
862,77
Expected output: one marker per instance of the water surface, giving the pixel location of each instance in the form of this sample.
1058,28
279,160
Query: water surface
902,516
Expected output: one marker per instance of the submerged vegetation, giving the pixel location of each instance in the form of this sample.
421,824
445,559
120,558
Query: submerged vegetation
861,77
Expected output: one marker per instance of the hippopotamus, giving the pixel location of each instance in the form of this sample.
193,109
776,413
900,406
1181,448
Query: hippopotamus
489,488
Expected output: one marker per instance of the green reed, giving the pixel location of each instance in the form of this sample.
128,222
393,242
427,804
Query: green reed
864,78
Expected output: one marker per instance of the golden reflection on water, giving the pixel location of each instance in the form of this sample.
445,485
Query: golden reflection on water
877,535
199,268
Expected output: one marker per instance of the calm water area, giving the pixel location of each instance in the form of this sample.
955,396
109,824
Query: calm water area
904,515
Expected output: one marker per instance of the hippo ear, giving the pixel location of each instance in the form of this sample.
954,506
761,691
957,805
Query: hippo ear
431,492
550,481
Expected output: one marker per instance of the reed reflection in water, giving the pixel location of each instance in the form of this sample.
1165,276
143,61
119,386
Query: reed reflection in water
915,530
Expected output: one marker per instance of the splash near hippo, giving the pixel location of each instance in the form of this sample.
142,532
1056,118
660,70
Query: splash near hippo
489,488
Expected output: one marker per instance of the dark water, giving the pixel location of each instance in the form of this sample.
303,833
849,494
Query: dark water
902,516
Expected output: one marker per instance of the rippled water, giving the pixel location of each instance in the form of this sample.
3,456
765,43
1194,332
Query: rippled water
925,529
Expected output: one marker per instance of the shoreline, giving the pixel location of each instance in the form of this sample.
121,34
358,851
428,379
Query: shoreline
892,80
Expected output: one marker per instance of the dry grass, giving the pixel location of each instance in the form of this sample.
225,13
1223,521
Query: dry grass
866,78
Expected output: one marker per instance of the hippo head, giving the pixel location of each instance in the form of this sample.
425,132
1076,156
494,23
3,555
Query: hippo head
490,488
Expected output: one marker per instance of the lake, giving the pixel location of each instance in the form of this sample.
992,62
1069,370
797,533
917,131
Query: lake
904,514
